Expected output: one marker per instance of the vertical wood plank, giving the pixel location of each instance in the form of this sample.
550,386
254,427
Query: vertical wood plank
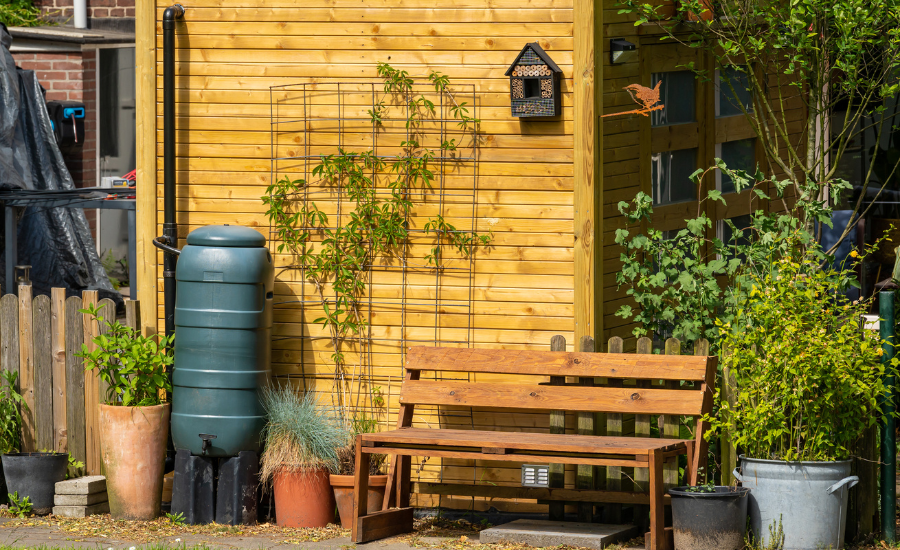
642,429
612,513
75,434
43,373
58,351
557,426
670,423
9,337
588,196
701,349
133,314
26,367
584,474
146,166
9,333
91,391
108,312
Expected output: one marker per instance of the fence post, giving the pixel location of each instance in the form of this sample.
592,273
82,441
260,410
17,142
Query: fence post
26,367
91,392
43,373
557,426
670,423
642,429
584,474
58,351
75,433
612,513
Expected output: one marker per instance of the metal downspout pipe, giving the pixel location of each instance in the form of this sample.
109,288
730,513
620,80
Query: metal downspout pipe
169,240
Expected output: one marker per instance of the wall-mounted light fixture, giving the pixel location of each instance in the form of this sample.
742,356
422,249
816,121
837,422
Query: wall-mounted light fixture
621,51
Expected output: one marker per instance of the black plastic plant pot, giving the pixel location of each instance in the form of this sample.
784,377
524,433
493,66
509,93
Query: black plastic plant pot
709,521
34,475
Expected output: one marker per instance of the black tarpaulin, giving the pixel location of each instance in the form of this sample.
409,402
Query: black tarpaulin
56,242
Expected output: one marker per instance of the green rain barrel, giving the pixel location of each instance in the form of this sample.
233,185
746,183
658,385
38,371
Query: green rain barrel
223,331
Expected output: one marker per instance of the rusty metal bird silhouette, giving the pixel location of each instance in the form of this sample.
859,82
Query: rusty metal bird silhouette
647,97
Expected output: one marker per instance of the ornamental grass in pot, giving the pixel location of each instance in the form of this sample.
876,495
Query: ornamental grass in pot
804,382
303,441
134,419
342,482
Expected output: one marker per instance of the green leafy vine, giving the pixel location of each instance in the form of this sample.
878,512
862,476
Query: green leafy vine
376,226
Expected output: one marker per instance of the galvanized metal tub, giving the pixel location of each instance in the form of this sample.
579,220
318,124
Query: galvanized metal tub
808,498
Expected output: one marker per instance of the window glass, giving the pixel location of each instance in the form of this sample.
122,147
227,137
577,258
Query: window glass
732,91
738,155
116,110
676,92
670,176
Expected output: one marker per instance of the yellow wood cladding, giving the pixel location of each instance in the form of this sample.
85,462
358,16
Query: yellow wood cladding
229,53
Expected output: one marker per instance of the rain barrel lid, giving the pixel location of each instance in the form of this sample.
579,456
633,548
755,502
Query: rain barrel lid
236,236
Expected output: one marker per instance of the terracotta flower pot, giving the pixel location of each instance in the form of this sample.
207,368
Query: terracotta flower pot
133,450
343,494
303,498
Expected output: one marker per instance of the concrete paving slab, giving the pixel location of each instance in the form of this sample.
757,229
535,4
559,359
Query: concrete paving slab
81,511
80,500
81,485
554,533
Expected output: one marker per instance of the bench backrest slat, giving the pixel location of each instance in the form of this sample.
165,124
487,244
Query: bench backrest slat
568,398
534,395
560,363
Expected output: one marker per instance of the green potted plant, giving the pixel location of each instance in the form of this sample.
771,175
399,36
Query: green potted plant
31,476
303,441
134,420
342,481
804,383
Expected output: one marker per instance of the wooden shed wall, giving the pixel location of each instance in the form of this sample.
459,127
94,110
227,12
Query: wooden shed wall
229,52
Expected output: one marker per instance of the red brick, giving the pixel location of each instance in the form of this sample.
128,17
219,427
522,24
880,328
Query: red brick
129,12
75,95
117,12
67,66
66,85
56,96
99,12
36,65
52,75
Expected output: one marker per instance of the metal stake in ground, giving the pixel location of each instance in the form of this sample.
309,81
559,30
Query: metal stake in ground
888,443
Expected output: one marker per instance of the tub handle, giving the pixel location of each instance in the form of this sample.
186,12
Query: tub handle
737,476
852,480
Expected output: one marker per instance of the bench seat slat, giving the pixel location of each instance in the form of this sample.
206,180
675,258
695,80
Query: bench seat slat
568,398
525,441
560,363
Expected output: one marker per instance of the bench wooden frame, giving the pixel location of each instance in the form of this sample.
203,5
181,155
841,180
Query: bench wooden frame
652,453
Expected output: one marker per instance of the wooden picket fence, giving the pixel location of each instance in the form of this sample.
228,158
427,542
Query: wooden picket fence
39,337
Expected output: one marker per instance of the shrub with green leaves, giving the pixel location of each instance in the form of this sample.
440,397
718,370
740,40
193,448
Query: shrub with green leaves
11,407
301,434
682,283
133,365
804,378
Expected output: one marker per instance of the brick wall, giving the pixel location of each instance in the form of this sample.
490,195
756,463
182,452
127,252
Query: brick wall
101,13
71,76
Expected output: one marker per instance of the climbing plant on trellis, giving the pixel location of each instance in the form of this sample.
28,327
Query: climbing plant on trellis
372,178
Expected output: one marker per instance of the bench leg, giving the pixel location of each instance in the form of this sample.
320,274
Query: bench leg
690,474
360,489
657,512
390,490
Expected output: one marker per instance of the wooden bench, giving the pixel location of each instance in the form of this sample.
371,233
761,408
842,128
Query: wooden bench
637,452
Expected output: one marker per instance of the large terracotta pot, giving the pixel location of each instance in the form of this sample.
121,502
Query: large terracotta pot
343,494
303,498
133,449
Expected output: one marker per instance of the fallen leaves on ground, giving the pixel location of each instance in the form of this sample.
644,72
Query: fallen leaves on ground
104,526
